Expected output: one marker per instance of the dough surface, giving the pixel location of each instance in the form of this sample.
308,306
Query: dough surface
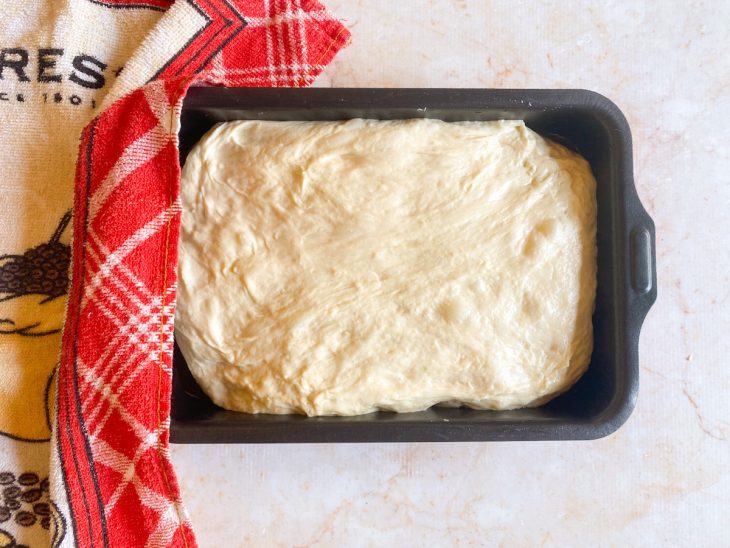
338,268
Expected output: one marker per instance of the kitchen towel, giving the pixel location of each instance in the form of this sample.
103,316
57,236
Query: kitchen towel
90,94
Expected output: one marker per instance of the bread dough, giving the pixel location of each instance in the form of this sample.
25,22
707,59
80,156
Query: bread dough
338,268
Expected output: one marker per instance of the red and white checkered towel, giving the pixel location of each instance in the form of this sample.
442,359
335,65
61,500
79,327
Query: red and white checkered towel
111,480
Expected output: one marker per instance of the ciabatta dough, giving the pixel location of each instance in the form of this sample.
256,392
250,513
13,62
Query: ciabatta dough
345,267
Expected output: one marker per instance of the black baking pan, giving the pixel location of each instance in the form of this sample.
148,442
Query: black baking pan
600,402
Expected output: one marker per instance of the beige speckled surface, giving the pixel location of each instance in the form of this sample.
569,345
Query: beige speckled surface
662,478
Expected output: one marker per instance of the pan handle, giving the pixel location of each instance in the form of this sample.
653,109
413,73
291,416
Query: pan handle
642,255
642,260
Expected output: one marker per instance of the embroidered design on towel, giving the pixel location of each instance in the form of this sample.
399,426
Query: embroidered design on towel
41,274
157,5
24,501
33,289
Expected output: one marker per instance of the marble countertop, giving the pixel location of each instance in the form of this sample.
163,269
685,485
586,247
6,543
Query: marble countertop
664,477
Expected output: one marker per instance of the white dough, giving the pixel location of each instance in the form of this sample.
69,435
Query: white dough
338,268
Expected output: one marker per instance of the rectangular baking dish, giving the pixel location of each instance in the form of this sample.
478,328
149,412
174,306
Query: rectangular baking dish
584,121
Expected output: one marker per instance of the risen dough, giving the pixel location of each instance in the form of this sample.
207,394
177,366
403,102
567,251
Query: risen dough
345,267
